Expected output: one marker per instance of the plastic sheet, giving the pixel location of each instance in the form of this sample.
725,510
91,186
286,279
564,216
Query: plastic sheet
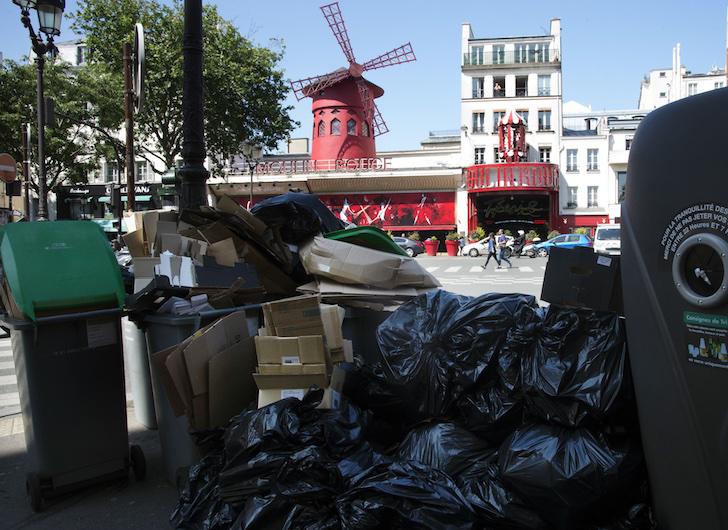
404,495
569,474
443,446
298,216
437,347
575,371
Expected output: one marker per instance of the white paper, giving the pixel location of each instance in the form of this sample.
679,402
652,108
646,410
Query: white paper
604,260
293,392
290,359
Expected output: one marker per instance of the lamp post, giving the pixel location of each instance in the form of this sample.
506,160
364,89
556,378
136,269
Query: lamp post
50,13
252,154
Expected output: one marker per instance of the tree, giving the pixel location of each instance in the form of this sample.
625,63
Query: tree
70,146
244,87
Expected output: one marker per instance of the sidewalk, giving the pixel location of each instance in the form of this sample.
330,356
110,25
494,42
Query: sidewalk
134,505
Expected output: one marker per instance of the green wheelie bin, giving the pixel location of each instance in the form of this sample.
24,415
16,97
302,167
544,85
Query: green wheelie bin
64,296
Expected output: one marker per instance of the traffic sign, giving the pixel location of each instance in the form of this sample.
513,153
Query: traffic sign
8,168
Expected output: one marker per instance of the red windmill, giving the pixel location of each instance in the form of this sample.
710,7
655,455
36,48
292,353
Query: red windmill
345,116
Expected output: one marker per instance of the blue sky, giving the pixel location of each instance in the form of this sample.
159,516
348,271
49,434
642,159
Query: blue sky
607,47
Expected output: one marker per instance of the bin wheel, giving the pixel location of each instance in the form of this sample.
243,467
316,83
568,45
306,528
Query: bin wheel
35,495
138,462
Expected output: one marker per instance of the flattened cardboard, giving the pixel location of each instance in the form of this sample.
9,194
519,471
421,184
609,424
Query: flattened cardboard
290,350
272,277
224,252
231,385
143,272
161,229
265,382
291,369
351,264
332,317
294,317
134,241
149,222
226,204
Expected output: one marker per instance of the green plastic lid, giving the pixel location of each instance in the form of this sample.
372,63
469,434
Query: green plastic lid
369,237
60,267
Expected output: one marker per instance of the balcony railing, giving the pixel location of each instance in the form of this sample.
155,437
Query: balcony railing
510,176
475,59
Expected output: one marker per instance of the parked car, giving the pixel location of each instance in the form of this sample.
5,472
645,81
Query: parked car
480,248
607,239
410,246
562,241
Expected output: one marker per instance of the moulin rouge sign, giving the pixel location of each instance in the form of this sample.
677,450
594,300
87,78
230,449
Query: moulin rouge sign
313,166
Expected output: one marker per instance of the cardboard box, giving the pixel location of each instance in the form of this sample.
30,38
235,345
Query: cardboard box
276,387
290,350
212,371
291,369
294,317
143,271
224,252
332,317
134,241
579,277
352,264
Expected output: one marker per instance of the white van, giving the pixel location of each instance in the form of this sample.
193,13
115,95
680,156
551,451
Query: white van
607,239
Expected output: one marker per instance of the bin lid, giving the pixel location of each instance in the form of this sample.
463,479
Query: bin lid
369,237
59,267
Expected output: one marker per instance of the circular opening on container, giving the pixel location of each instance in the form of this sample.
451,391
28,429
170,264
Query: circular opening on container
703,270
699,270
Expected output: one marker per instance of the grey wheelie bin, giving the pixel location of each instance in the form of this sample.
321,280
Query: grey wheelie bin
136,368
675,280
164,331
63,289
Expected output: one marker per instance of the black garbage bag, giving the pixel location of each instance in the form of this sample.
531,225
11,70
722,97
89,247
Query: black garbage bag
404,495
298,216
638,517
491,411
571,476
443,446
276,512
576,372
495,505
437,346
360,461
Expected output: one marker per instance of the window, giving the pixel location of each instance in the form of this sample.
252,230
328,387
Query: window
544,85
476,55
663,95
573,238
497,115
478,84
627,143
544,155
571,200
559,239
592,159
592,192
571,159
81,52
521,86
335,127
140,173
523,114
480,155
499,87
321,128
364,128
544,120
662,74
692,89
499,54
719,84
621,185
351,127
112,172
538,53
521,53
496,155
478,122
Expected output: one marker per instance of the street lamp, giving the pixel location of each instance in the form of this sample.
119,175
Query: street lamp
253,154
50,14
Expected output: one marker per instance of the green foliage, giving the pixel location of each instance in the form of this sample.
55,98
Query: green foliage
531,235
433,238
390,234
452,236
508,233
477,234
581,230
414,236
553,234
243,85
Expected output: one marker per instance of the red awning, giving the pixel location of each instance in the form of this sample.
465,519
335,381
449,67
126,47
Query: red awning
419,227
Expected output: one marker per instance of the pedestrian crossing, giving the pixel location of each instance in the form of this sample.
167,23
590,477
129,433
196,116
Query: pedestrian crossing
479,269
9,398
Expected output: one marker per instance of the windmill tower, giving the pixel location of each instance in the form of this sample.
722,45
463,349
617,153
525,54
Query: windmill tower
345,117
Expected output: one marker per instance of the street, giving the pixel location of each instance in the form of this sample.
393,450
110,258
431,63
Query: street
463,275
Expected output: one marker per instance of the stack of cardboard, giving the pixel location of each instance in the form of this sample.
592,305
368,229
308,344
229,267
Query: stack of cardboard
298,347
209,376
359,276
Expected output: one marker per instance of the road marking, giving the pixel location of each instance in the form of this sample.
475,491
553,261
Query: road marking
452,269
476,269
7,400
500,270
543,268
525,269
432,269
8,380
7,365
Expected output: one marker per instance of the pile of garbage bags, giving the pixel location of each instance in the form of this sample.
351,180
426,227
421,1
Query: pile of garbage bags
482,413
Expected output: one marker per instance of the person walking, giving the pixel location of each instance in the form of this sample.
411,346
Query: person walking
502,245
461,244
491,247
